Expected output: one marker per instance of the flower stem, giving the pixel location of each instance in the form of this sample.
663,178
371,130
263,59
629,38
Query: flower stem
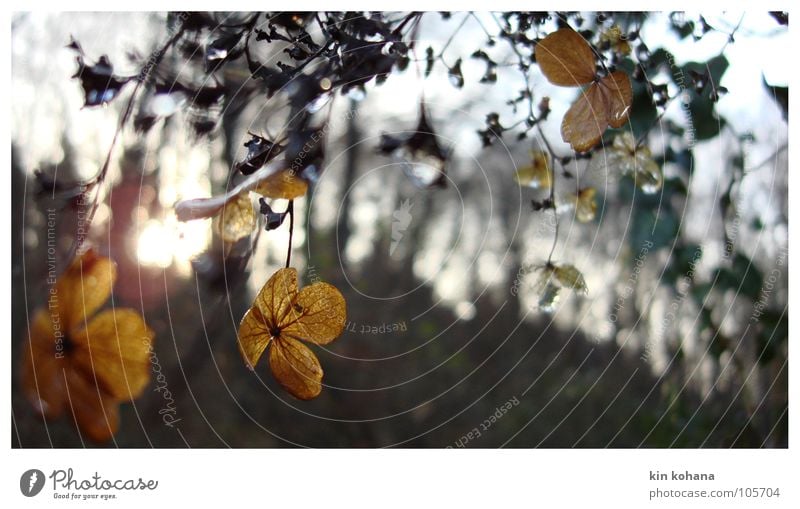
290,211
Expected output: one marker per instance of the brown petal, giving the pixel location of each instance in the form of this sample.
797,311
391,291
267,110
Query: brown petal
115,350
565,58
296,368
618,97
317,315
586,120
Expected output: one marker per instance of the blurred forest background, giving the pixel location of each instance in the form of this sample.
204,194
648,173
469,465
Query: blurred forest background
681,340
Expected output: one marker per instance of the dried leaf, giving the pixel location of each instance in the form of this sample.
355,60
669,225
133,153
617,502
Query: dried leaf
565,58
237,219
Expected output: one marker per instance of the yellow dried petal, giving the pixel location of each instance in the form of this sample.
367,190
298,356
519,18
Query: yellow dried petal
296,368
254,336
537,175
570,277
585,205
115,350
237,219
637,162
318,315
615,39
82,289
284,185
649,176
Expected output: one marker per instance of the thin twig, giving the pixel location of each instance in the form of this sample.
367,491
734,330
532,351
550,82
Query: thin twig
523,67
99,178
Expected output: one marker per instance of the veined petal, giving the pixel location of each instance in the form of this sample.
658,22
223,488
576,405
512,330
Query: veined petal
277,296
317,315
296,368
115,347
254,336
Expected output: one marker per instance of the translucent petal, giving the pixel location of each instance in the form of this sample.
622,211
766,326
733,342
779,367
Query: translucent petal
570,277
284,185
649,177
537,175
548,300
276,297
296,368
318,315
82,289
254,336
585,205
237,219
114,349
